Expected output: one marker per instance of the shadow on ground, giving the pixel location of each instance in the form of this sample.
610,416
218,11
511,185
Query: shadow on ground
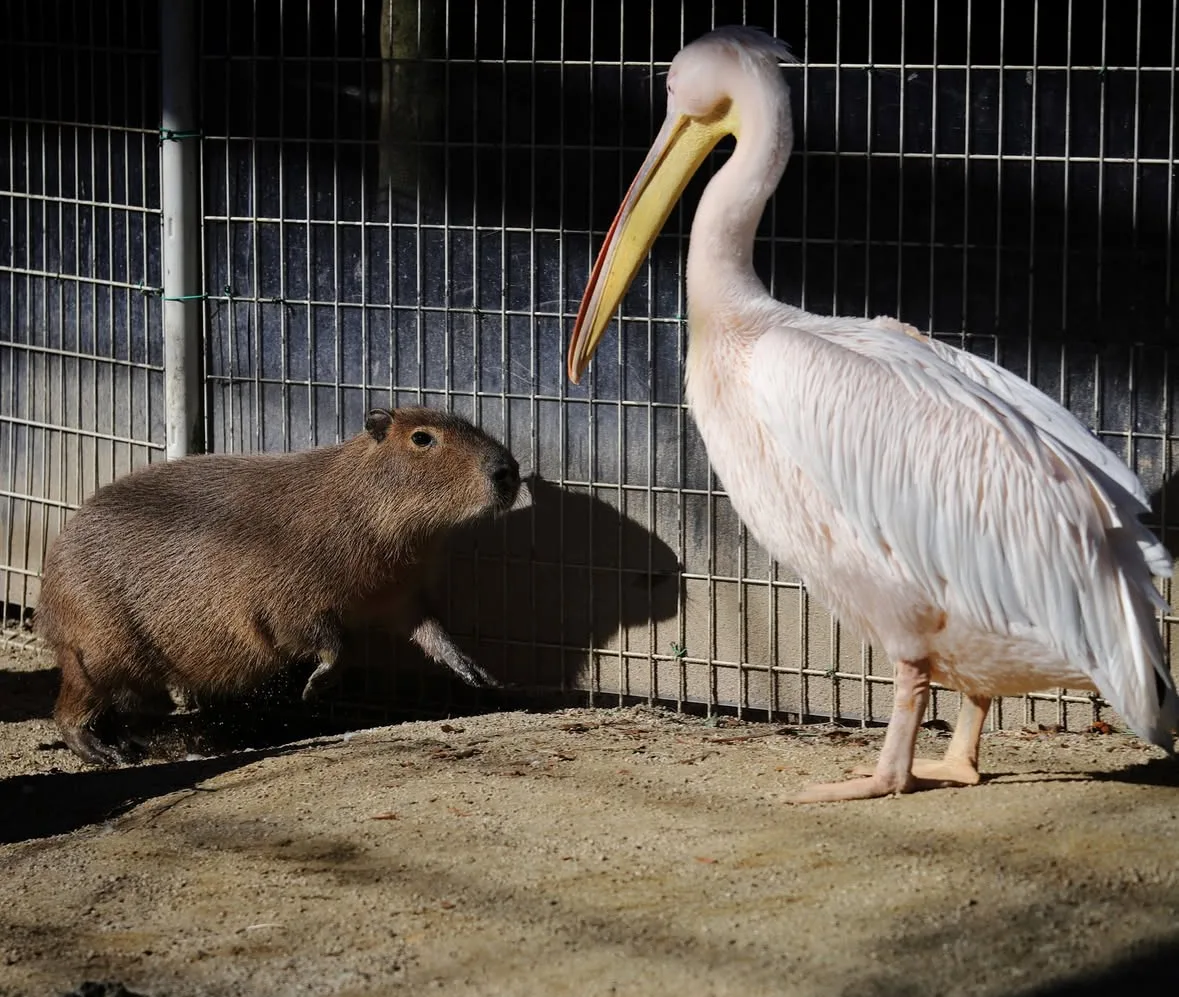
1161,772
27,695
39,806
1148,972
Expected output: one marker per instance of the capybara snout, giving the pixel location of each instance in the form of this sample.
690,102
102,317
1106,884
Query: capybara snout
206,575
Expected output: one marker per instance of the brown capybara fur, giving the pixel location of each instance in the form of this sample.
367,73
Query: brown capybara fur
209,574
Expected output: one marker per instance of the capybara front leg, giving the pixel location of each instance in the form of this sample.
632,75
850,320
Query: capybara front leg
327,674
327,639
432,638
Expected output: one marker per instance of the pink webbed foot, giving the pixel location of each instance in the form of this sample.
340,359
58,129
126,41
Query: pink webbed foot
936,771
873,787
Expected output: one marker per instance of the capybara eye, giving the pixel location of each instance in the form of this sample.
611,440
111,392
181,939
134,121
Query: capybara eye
422,439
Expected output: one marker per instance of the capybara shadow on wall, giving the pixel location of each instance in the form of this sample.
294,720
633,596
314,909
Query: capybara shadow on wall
530,594
1166,497
211,574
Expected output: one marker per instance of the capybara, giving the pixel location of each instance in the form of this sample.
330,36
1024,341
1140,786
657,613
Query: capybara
207,575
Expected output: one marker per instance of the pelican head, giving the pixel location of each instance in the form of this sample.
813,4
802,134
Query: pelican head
704,87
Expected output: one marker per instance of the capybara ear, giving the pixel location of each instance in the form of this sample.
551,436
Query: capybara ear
377,422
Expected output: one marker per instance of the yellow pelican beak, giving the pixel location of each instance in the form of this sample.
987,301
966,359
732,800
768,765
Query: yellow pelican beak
680,147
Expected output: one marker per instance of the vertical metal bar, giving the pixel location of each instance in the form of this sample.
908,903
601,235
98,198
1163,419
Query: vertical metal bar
1061,705
1028,702
309,244
901,175
506,358
45,360
447,236
591,410
804,650
10,354
652,439
144,263
284,288
1098,393
180,245
997,708
208,400
681,462
932,234
111,370
964,331
562,388
476,288
931,709
254,323
1132,387
712,502
79,476
773,661
338,346
92,263
865,647
743,540
835,629
365,245
1168,299
30,359
128,373
30,284
64,362
621,449
533,354
447,279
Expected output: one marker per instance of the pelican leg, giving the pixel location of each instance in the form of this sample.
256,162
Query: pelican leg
893,773
959,765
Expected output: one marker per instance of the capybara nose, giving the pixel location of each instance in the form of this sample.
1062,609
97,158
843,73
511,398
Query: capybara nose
505,476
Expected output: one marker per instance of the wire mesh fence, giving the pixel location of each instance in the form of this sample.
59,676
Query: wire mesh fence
401,202
80,345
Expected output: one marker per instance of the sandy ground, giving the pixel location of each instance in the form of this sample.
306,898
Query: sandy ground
580,852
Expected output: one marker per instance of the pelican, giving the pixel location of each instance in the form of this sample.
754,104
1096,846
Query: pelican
939,505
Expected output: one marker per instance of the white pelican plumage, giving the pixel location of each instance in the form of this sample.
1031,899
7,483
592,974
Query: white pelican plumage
941,506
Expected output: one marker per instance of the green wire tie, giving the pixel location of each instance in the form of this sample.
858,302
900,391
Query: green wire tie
171,135
143,288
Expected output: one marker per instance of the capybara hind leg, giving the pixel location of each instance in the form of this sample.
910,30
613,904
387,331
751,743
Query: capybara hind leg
88,746
78,709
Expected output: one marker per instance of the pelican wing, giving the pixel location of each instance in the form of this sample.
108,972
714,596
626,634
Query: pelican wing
1046,414
967,495
1035,406
1119,484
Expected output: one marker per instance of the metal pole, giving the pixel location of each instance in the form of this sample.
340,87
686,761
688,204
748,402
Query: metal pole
179,206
